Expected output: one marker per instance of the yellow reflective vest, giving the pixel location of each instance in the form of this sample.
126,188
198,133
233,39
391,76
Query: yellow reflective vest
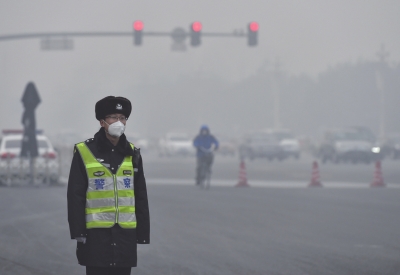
110,198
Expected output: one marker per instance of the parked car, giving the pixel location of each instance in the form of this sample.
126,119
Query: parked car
353,144
176,144
288,142
261,144
14,168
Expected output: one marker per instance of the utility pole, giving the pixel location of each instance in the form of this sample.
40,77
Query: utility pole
380,85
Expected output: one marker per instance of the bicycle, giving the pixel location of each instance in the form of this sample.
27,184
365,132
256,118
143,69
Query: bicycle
205,168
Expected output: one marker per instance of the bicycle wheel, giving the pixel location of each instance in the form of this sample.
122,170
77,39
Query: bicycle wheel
207,176
203,175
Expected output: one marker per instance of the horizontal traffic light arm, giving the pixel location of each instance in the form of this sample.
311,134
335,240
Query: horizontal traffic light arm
216,34
62,34
104,34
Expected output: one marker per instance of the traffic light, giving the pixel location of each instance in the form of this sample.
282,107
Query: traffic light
252,34
195,33
137,32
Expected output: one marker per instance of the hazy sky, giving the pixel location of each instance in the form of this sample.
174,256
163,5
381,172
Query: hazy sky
306,36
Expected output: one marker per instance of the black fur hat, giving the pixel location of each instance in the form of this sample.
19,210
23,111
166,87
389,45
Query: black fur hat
112,105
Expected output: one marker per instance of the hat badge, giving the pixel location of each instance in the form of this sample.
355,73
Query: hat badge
119,107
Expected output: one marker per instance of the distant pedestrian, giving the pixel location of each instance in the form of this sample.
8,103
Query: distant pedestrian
108,210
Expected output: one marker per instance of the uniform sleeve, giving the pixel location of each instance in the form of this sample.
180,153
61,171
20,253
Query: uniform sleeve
76,195
142,206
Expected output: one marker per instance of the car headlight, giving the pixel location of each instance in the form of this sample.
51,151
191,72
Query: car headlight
376,150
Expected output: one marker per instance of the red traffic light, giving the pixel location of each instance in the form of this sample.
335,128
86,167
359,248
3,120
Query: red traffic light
196,26
138,25
253,26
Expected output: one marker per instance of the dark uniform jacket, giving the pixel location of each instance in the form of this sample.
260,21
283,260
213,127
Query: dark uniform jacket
114,246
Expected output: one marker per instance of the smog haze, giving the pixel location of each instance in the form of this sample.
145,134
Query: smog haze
223,82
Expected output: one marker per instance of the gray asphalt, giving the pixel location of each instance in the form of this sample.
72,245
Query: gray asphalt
225,230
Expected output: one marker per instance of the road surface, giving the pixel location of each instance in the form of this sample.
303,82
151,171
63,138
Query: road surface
224,230
277,226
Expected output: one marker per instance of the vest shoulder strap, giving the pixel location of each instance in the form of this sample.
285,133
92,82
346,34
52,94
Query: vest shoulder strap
86,154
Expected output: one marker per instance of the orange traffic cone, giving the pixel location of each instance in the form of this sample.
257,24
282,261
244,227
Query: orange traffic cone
242,176
315,179
378,177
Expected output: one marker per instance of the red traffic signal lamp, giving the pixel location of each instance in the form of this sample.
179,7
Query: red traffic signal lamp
196,26
195,33
252,34
138,25
137,32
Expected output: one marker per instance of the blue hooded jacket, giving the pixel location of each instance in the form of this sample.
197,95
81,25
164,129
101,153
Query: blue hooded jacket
204,141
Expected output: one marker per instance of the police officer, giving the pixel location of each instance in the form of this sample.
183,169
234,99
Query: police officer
108,210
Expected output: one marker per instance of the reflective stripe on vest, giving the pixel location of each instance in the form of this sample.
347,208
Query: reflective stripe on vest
110,197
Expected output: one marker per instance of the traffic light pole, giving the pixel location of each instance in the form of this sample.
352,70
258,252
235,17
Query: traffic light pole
63,40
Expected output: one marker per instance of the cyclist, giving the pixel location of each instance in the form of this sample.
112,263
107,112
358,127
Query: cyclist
205,144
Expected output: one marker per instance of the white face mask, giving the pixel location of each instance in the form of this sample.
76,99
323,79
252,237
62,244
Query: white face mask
116,129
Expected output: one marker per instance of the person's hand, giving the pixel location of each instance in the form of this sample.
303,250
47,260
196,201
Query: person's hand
211,150
213,147
81,239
